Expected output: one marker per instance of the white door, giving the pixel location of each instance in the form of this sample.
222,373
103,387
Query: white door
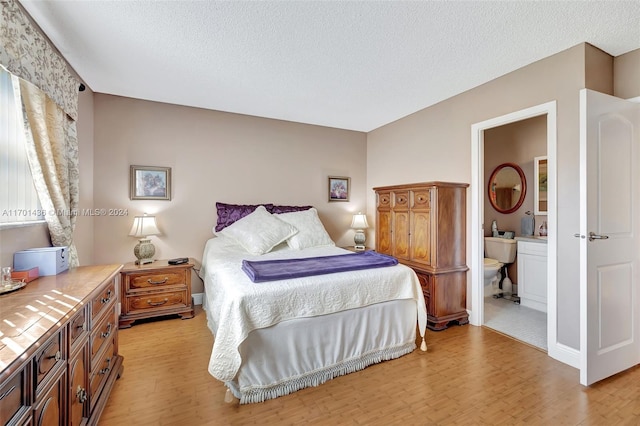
609,235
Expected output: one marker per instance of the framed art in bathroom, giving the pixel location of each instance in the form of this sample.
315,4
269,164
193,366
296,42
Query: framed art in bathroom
540,181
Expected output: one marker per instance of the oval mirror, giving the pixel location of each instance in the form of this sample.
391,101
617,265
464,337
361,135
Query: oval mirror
507,188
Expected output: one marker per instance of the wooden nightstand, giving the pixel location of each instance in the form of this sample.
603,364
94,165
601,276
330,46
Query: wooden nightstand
155,289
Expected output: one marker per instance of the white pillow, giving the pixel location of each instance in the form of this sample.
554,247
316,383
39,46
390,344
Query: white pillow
259,232
311,232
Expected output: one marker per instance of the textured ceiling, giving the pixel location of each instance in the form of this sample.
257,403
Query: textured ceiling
347,64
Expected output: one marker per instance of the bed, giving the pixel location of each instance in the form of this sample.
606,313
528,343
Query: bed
276,337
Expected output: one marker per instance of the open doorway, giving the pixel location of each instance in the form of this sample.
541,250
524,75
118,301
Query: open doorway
511,153
482,135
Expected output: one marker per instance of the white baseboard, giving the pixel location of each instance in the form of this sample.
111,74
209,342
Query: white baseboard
197,298
565,354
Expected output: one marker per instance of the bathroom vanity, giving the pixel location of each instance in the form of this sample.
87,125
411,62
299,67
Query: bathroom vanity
532,272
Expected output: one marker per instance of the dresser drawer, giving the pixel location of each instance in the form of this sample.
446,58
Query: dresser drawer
425,283
51,355
384,199
99,373
14,396
102,331
78,327
156,301
151,280
401,200
100,303
421,199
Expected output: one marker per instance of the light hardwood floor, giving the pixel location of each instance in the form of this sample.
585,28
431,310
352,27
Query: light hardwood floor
470,376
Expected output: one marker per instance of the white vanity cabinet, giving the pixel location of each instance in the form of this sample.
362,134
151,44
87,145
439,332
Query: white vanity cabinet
532,273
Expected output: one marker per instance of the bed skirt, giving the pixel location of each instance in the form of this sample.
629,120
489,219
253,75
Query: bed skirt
305,352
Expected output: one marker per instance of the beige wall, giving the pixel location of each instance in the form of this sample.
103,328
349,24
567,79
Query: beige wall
626,71
214,156
435,144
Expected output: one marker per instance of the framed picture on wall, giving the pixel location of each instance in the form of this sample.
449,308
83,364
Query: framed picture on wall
150,183
339,187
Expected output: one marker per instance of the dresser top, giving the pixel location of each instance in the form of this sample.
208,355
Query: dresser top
43,306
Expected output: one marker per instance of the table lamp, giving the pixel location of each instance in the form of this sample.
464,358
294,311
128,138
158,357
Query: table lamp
359,223
143,227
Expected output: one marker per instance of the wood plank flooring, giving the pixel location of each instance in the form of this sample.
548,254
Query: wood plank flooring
470,376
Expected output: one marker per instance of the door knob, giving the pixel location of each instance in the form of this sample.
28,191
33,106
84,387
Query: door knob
593,236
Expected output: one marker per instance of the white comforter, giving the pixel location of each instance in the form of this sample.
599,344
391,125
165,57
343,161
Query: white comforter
236,305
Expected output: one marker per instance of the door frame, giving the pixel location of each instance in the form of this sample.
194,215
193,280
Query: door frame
476,316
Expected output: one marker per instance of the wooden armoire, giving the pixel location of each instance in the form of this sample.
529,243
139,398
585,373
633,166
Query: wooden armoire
423,225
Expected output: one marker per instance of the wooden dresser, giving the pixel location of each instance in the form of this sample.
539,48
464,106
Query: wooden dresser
59,348
155,289
423,225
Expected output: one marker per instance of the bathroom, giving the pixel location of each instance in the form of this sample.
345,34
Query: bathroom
514,178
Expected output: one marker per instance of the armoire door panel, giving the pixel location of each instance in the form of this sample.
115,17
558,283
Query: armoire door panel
421,237
401,235
383,231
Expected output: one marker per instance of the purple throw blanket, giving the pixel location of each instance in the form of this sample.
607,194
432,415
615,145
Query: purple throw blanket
281,269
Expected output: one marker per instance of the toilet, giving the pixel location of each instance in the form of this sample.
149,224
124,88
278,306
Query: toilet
491,276
499,252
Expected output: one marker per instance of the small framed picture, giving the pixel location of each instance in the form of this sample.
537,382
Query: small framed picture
339,188
150,183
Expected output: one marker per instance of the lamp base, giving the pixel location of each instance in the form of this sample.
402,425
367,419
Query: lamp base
359,239
144,251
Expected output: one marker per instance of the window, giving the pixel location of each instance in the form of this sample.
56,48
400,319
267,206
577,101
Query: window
18,198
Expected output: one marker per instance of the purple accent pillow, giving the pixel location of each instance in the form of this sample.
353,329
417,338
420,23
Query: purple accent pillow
229,213
286,209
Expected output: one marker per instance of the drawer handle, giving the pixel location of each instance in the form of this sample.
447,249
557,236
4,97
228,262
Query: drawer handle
107,368
157,303
106,333
57,356
82,326
7,393
150,281
81,394
108,298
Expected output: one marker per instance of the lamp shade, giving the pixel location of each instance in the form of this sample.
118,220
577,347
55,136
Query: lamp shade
144,226
359,221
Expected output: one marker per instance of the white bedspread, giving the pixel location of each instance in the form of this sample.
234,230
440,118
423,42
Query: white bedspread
237,305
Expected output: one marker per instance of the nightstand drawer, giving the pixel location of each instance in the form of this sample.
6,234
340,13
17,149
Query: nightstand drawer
148,280
156,301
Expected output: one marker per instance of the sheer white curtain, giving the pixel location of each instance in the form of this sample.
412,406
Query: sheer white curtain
52,150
